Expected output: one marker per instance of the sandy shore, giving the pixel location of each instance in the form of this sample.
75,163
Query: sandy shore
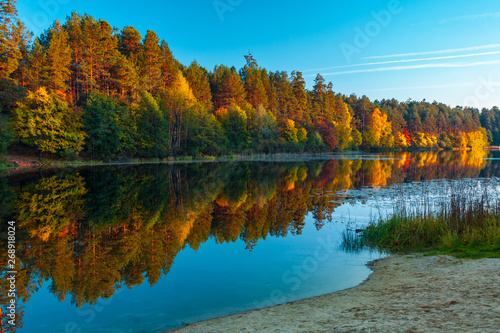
403,294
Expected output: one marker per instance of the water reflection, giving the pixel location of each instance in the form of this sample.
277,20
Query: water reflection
92,231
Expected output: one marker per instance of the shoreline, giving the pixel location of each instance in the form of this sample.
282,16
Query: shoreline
25,163
22,163
404,293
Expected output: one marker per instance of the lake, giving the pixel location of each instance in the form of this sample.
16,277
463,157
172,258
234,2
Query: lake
151,247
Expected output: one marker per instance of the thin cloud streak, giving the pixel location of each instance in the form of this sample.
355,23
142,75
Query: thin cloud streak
402,68
474,48
453,85
469,17
405,61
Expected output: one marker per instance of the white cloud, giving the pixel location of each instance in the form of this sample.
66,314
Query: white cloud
441,86
402,68
406,61
474,48
469,17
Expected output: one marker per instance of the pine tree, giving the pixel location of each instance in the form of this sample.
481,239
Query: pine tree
130,44
9,47
98,54
73,27
226,87
168,66
22,38
36,67
58,59
150,67
125,79
299,91
198,80
251,76
284,99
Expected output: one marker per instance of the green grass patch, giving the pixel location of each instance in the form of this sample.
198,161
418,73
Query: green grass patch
465,227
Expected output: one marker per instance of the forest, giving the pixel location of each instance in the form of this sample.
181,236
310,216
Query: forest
86,89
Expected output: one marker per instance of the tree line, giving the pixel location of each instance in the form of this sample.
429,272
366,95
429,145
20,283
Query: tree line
86,88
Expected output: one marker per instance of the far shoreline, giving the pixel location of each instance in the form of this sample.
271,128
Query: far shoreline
21,163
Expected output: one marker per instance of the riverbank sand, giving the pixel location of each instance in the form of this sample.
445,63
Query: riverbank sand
411,293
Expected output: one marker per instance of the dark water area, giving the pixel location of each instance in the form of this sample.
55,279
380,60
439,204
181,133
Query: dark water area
152,247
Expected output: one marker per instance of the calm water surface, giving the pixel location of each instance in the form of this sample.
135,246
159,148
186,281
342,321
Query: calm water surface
153,247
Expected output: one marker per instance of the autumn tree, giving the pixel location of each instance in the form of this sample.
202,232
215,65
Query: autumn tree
9,49
168,66
58,59
150,67
36,66
251,76
379,133
199,83
129,44
46,122
300,93
226,87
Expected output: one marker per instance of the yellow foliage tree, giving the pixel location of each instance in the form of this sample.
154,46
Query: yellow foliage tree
343,127
381,130
477,139
290,131
181,86
45,121
400,140
425,140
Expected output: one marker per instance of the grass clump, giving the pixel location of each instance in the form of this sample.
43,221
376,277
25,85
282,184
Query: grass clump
465,225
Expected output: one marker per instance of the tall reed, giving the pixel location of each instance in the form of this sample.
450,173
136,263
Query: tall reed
465,222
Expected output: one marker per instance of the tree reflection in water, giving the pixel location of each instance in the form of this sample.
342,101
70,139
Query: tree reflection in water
92,231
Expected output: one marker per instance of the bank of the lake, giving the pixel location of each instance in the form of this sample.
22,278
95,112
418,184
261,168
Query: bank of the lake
405,293
19,162
30,160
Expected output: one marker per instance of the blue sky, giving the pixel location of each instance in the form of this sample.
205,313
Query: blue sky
444,50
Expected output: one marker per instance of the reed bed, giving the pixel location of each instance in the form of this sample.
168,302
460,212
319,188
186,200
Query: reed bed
464,222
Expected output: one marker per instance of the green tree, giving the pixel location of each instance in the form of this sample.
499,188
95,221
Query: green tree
151,128
235,126
6,134
104,126
46,122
